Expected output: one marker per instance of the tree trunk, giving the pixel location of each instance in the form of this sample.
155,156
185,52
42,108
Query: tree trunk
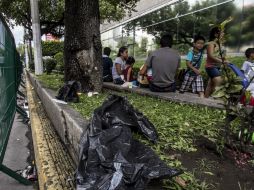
82,44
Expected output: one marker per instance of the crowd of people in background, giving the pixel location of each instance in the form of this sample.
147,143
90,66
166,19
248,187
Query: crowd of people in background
160,68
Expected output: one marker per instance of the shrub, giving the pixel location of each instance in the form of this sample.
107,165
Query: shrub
51,48
49,64
59,61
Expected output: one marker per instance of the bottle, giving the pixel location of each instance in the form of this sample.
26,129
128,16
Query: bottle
130,85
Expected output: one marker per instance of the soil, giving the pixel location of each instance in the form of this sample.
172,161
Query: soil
227,171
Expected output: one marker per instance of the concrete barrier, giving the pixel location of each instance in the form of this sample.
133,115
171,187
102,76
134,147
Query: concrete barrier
186,98
68,123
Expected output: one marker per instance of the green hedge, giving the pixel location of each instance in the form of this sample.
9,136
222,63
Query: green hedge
59,62
51,48
49,65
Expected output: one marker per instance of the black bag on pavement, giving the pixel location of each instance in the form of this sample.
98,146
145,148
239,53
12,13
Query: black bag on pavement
69,92
110,159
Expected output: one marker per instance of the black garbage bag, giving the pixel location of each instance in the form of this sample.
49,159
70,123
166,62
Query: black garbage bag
69,92
110,159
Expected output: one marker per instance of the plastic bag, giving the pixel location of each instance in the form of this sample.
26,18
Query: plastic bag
143,81
69,92
110,159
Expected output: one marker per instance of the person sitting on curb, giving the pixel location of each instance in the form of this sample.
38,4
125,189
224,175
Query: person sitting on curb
164,63
119,65
107,65
193,62
128,71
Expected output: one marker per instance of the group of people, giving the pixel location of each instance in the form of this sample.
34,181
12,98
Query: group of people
122,66
164,62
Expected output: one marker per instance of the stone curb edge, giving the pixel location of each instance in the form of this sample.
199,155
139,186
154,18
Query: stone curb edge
68,123
174,97
40,147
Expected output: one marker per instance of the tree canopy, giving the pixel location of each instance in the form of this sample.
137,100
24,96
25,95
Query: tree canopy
183,28
52,13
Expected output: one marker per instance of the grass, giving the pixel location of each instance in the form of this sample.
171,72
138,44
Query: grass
180,122
178,125
52,81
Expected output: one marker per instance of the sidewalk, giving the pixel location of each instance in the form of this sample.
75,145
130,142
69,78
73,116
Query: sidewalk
16,155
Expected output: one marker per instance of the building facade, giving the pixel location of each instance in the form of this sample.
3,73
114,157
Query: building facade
183,20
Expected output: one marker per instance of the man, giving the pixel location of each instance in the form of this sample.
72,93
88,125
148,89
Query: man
107,65
164,63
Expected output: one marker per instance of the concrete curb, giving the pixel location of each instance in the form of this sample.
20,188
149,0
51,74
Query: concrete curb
186,98
40,150
68,123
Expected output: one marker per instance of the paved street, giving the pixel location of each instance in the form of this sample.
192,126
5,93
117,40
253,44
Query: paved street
16,155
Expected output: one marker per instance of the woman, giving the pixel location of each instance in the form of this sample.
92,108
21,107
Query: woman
119,65
214,60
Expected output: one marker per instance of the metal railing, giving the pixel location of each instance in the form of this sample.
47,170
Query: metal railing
10,78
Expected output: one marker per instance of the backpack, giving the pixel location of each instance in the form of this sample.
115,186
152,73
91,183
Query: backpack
143,81
69,92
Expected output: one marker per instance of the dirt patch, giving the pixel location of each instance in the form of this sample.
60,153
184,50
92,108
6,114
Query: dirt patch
231,170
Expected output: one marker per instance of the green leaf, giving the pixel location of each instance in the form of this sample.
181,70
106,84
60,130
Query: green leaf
234,89
219,93
218,88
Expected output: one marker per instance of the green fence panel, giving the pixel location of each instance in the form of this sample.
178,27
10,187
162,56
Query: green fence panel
10,77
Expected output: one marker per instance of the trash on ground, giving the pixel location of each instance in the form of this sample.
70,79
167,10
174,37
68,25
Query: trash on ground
110,158
90,94
129,85
69,92
29,173
59,101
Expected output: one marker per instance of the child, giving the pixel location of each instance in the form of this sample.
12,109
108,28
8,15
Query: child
107,65
119,65
193,62
248,68
128,71
214,60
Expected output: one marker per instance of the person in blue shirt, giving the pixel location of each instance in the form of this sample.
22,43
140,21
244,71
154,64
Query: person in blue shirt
107,65
193,76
